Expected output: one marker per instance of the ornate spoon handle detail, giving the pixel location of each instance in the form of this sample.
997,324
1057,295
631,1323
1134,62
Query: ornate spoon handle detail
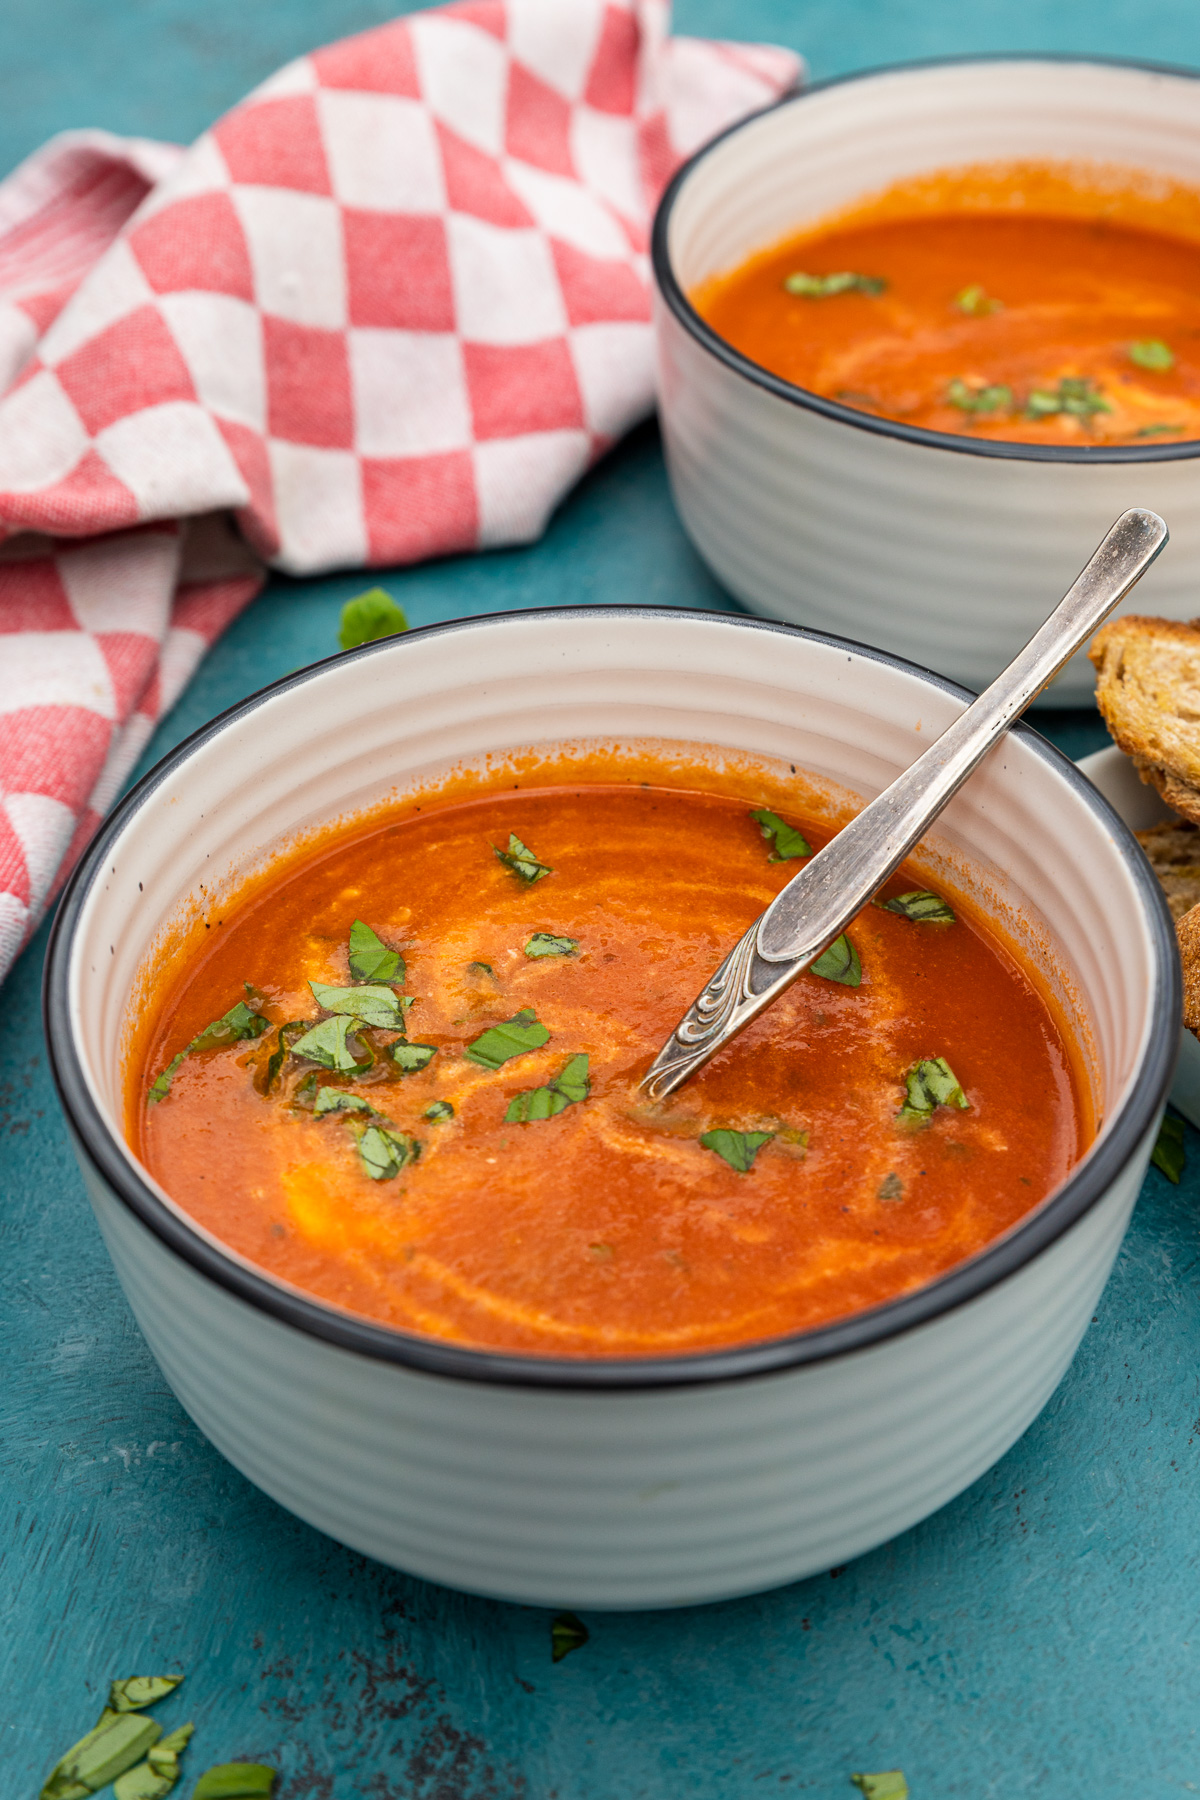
817,904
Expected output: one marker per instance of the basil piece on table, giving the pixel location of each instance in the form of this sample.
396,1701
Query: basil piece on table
139,1691
370,958
1152,354
119,1740
737,1148
500,1043
993,397
566,1634
370,616
976,302
438,1110
1168,1153
521,860
787,841
889,1784
154,1778
930,1084
383,1152
567,1089
338,1100
543,943
235,1781
839,963
824,287
374,1005
922,907
326,1044
239,1023
409,1058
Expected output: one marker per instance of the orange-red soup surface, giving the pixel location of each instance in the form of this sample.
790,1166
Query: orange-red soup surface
1016,302
607,1229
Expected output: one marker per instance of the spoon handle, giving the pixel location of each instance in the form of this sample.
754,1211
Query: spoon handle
815,907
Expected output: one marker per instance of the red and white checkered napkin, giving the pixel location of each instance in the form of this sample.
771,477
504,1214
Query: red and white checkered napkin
390,306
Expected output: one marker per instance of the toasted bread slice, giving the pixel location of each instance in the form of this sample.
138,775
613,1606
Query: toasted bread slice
1188,932
1148,690
1174,852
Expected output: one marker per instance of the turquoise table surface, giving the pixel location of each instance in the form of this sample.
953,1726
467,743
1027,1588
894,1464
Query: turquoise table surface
1039,1636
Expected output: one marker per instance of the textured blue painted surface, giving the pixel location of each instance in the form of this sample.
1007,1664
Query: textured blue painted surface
1040,1636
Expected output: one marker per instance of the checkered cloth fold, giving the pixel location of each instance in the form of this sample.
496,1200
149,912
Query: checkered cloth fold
389,307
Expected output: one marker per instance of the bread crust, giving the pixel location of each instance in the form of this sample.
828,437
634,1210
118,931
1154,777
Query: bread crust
1187,930
1174,853
1148,692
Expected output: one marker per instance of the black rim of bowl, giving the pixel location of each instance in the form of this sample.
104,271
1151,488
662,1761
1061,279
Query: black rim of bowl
1055,1215
677,301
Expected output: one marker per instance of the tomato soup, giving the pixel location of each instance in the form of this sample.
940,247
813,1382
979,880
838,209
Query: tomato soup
400,1071
1013,303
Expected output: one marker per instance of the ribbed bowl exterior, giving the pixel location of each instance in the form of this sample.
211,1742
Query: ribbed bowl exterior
618,1500
550,1486
933,552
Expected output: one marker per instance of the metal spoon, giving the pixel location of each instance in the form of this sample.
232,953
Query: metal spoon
817,904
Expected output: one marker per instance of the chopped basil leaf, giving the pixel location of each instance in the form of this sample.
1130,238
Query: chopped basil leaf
335,1100
824,287
140,1690
383,1153
326,1044
409,1058
786,839
976,302
1075,395
930,1084
1145,431
839,963
119,1740
890,1188
566,1634
239,1023
268,1073
439,1110
370,958
1168,1153
235,1781
369,616
500,1043
567,1088
521,860
377,1006
888,1785
543,944
990,399
922,907
737,1148
154,1778
1153,354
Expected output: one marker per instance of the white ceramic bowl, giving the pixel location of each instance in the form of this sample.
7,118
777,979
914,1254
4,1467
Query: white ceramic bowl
636,1483
941,548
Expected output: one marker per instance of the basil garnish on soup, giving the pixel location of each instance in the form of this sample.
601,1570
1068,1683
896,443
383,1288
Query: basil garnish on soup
500,1043
826,287
370,958
839,963
438,1111
374,1005
988,397
929,1084
568,1087
340,1100
326,1043
1076,396
737,1148
1152,354
922,907
411,1058
543,943
521,860
976,302
235,1026
786,842
384,1152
